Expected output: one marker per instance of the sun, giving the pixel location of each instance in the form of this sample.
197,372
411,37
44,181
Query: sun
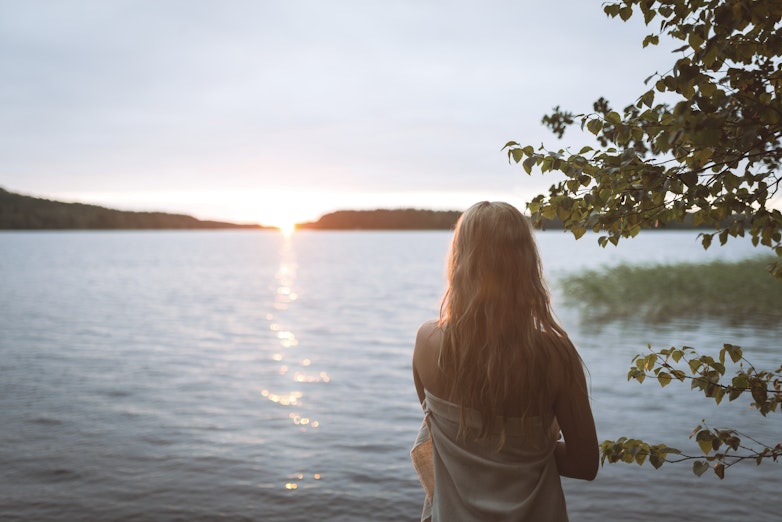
274,209
286,228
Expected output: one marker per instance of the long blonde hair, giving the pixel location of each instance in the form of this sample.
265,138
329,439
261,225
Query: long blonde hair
499,334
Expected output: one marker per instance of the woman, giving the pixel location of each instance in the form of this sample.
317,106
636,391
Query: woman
500,381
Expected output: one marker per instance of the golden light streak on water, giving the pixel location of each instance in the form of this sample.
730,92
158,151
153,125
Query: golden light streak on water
291,399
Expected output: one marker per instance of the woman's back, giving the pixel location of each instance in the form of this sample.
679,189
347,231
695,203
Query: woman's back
496,375
478,480
429,341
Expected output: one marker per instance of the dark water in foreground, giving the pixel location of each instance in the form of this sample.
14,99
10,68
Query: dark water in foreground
236,375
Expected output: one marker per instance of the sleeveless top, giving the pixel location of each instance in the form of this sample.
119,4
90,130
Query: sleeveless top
468,480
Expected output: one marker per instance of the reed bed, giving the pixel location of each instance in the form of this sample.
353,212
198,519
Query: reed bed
739,292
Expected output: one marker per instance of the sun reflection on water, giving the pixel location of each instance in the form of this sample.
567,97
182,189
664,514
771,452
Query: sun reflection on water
287,339
303,377
290,399
290,362
300,477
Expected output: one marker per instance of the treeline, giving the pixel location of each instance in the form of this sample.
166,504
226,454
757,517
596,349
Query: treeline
19,212
385,219
417,219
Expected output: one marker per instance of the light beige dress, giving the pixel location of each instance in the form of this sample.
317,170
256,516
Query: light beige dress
468,480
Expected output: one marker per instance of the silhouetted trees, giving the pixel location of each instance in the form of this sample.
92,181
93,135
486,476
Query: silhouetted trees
19,212
385,219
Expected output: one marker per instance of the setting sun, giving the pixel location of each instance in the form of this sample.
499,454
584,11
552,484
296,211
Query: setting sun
286,228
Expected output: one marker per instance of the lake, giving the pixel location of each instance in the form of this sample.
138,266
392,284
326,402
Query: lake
200,375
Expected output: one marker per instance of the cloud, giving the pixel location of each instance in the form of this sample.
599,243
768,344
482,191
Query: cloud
351,96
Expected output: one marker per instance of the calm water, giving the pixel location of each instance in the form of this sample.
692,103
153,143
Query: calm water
237,375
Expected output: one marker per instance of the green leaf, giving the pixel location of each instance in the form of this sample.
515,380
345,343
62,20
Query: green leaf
690,178
640,457
734,352
759,392
578,231
741,381
527,164
656,461
636,374
549,212
734,393
648,98
594,126
651,39
719,393
699,467
705,439
611,10
649,14
664,378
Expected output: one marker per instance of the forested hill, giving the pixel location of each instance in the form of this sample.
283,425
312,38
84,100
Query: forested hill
19,212
385,219
417,219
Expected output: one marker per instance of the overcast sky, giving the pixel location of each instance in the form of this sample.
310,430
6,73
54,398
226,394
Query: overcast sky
270,110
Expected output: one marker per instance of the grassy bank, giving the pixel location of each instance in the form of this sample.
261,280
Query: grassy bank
741,292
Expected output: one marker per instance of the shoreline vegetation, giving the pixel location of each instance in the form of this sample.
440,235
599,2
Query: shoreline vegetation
739,293
21,212
385,219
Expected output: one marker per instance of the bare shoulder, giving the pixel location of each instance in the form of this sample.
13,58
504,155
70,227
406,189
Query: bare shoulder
427,342
427,331
425,355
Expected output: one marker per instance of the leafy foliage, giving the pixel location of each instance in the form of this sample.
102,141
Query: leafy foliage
712,147
721,448
704,139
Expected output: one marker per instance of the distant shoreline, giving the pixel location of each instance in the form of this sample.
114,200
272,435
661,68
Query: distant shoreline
385,219
21,212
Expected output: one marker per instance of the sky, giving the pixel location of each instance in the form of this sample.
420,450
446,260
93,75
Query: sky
271,111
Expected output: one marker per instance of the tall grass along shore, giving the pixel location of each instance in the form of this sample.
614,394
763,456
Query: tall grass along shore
739,292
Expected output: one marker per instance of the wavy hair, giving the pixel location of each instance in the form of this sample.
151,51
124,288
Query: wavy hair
499,333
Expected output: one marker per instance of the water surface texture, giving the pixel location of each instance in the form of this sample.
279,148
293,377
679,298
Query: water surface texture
245,376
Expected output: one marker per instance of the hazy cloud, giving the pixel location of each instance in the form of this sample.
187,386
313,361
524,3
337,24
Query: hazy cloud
346,96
